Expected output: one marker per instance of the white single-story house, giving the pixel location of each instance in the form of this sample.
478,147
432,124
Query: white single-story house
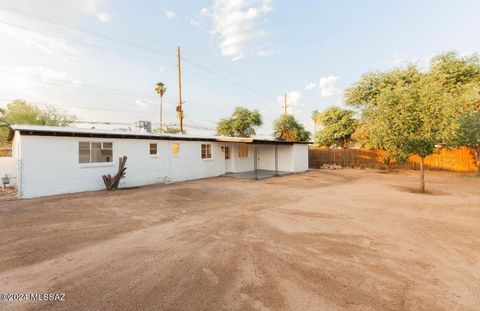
56,160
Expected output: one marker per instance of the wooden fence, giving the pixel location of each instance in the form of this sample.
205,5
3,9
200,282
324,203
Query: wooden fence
454,160
5,152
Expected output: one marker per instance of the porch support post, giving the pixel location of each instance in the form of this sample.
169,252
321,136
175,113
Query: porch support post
276,159
255,176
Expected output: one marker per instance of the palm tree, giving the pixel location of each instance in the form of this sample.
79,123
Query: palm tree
160,88
315,114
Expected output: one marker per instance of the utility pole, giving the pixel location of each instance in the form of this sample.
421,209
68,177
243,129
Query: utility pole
179,106
285,104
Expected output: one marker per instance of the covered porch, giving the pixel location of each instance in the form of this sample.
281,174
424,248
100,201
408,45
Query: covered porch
257,175
258,159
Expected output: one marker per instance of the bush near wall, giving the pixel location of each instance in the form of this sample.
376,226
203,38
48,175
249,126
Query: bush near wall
453,160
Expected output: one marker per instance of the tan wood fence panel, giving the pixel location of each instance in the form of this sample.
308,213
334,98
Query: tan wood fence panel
454,160
5,152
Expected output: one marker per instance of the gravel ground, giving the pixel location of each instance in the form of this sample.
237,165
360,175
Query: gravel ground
323,240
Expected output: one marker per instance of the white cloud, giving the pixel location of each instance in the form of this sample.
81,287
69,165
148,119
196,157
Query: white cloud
310,86
293,102
399,60
49,45
170,14
39,74
145,102
263,53
327,86
194,22
236,24
32,83
93,7
104,17
204,12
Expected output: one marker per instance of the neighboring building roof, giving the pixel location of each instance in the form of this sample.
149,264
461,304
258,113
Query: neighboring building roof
41,130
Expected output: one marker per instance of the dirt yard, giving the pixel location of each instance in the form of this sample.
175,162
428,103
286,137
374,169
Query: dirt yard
323,240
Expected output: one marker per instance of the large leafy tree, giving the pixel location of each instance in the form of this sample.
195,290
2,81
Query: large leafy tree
405,111
289,129
398,114
21,112
338,126
242,123
454,87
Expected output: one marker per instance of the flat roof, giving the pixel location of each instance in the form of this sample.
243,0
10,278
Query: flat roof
42,130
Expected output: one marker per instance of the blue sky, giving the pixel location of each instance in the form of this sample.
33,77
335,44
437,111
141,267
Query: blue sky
257,50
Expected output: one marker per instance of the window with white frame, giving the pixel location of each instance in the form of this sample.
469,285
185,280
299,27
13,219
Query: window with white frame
153,149
95,152
206,151
243,151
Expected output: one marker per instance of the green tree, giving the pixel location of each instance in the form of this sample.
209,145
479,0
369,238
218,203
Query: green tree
21,112
454,88
242,123
289,129
362,136
338,126
172,130
399,116
468,135
405,111
160,88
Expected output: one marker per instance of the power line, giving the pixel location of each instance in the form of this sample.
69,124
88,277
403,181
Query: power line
44,19
80,85
228,86
116,92
113,110
84,43
191,126
251,91
92,108
228,79
210,71
121,110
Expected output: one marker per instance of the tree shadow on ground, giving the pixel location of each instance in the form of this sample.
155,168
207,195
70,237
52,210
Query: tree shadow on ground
415,190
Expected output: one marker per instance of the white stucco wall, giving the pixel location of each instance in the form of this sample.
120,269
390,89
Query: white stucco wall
241,164
49,165
266,157
189,164
16,154
300,157
291,158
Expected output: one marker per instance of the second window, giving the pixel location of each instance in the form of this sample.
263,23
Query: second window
153,149
206,151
